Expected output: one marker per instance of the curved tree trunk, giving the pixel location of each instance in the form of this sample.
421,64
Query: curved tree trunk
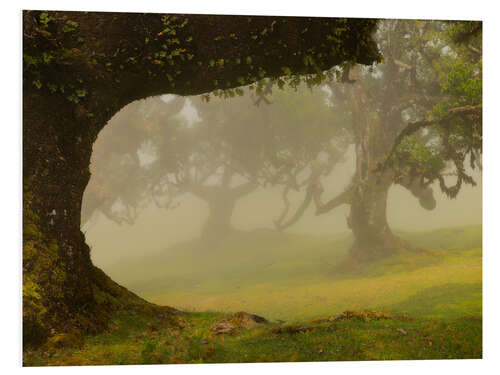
373,237
62,290
369,189
80,68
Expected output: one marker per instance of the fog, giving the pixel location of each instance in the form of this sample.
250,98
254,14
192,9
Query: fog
192,197
156,229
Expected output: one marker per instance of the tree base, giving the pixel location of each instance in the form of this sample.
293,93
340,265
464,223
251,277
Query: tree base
361,257
49,311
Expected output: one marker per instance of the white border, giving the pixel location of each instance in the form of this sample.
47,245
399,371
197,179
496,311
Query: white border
11,181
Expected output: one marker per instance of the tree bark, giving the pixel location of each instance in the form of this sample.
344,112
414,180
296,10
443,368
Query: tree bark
373,237
368,192
369,189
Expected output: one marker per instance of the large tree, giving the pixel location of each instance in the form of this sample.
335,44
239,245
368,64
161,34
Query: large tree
414,120
213,159
79,69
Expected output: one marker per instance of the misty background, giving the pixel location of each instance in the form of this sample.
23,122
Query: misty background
209,202
156,229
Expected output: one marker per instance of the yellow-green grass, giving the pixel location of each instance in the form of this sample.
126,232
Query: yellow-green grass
133,340
291,277
295,279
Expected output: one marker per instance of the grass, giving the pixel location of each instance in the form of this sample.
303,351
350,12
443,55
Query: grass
291,280
291,277
133,341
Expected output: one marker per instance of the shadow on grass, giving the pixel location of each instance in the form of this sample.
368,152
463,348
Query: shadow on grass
449,300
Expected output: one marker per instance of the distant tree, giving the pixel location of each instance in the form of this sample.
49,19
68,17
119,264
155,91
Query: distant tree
239,145
209,159
309,142
116,188
414,119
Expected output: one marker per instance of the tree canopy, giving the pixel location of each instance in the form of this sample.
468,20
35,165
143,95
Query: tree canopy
414,119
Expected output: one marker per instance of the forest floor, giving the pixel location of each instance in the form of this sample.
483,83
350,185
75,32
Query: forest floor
320,308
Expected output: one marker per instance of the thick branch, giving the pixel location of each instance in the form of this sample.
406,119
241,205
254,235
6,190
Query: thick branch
313,194
300,211
342,198
189,54
413,127
286,207
313,190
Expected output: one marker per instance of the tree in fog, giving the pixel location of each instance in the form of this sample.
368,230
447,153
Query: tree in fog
414,119
212,159
239,145
309,140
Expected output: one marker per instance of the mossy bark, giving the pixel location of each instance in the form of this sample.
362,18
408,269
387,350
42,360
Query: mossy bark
79,69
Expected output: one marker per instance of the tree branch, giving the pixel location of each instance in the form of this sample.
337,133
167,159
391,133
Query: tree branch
314,189
413,127
300,211
286,208
342,198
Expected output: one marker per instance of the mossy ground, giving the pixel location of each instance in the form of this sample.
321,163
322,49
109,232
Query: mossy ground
440,290
136,340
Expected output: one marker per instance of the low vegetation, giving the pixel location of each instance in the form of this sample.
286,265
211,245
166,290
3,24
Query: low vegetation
425,305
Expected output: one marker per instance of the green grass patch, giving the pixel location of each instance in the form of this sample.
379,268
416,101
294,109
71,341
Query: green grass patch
293,277
133,341
291,280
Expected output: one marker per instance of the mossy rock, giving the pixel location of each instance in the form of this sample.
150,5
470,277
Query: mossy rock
240,320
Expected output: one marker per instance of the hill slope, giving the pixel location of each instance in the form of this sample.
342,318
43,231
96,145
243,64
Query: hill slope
290,277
